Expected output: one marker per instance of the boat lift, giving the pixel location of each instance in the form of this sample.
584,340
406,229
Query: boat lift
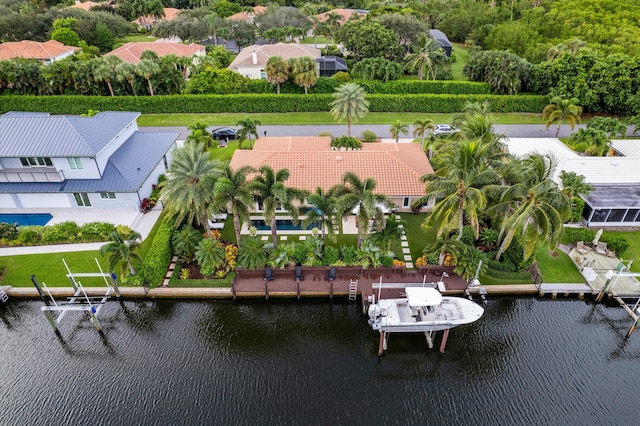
80,301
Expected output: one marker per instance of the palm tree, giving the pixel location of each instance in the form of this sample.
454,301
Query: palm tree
332,23
398,128
201,137
591,141
536,208
277,71
573,184
253,254
268,188
349,104
420,129
560,110
323,210
390,234
185,242
457,186
232,193
107,70
248,127
188,191
210,255
214,23
146,69
468,258
358,196
127,71
304,72
121,250
425,57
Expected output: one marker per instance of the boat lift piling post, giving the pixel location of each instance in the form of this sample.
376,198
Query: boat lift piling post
610,274
233,289
52,322
445,335
383,342
94,319
35,282
633,327
70,276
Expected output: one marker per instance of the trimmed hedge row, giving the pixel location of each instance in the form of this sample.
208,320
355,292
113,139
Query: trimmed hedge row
155,263
399,87
262,103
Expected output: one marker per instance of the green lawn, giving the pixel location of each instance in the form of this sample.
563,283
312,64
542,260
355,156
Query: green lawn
295,118
134,38
416,236
557,267
312,41
49,268
462,57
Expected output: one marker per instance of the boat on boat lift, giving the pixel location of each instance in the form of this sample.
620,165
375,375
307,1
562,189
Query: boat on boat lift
423,309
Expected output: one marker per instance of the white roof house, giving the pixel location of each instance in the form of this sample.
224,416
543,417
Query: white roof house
102,161
252,60
615,198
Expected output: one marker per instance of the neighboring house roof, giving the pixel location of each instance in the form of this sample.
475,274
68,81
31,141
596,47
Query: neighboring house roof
35,50
262,54
131,52
345,14
169,15
596,170
89,4
126,171
627,147
247,15
396,167
40,135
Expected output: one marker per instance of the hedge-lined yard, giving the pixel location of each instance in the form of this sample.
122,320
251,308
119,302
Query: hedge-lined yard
258,103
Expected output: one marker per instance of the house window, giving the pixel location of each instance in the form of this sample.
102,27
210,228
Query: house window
82,199
36,161
108,195
263,75
75,163
405,202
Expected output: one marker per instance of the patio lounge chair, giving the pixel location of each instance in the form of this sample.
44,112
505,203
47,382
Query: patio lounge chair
581,248
601,248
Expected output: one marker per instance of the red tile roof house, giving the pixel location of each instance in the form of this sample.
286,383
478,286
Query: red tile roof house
149,21
130,52
252,60
345,14
248,16
396,167
46,52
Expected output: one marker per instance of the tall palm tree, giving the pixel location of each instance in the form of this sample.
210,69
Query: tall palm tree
536,205
349,103
201,137
106,70
277,71
147,69
214,23
269,189
127,71
560,110
420,129
424,57
231,192
358,196
188,191
398,128
248,127
323,210
121,250
391,233
457,186
332,23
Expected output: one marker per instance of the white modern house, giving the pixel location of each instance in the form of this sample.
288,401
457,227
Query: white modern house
104,161
252,61
615,198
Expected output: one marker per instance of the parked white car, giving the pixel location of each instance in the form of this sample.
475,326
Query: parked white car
443,129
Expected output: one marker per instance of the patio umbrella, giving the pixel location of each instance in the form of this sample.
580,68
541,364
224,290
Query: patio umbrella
597,237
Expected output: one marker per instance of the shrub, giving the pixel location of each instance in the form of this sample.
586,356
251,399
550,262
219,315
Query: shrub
489,238
28,235
330,255
341,77
349,255
468,236
155,263
346,142
8,231
616,243
99,231
60,232
300,253
368,136
421,262
577,206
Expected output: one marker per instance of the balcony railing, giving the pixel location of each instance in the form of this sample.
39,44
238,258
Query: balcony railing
40,174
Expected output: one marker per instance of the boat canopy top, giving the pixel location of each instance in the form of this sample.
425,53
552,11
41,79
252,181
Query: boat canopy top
423,296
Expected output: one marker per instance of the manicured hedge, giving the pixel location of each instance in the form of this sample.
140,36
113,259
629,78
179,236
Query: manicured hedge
399,87
257,103
155,263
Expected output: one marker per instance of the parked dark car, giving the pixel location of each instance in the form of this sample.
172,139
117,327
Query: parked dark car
224,133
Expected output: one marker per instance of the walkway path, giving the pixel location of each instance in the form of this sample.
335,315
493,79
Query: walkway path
406,252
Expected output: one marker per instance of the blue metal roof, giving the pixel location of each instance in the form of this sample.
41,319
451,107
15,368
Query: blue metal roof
42,135
126,170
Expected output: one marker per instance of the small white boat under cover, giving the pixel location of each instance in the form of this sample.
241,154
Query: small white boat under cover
423,309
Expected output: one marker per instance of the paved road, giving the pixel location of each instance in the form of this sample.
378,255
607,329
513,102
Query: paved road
381,130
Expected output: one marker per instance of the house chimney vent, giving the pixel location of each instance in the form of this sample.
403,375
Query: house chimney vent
254,57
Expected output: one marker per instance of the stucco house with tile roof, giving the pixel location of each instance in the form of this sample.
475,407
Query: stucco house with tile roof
396,167
131,52
345,14
46,52
148,22
252,60
248,16
104,161
87,5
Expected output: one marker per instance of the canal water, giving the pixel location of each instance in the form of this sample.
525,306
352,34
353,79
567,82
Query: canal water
526,362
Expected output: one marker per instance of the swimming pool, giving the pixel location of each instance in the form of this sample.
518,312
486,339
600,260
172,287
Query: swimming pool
284,225
26,219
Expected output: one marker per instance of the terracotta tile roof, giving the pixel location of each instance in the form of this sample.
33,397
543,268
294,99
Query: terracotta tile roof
34,50
345,13
246,15
397,168
131,52
265,51
87,5
169,15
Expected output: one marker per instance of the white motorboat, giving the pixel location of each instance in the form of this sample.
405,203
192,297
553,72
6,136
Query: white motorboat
424,309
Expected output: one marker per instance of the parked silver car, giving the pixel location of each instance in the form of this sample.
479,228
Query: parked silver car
443,129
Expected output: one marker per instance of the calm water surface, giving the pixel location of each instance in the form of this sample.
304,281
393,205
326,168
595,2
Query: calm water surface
526,362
